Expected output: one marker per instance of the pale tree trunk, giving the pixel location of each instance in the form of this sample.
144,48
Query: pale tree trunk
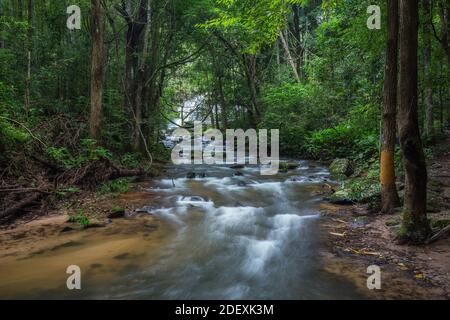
29,50
389,195
428,91
298,39
415,227
289,56
97,69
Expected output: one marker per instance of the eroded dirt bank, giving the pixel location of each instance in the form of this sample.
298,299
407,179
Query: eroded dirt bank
355,241
35,254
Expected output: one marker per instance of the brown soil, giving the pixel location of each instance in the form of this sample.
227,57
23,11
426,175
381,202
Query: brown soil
356,239
37,252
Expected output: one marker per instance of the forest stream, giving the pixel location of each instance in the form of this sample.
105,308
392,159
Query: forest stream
227,234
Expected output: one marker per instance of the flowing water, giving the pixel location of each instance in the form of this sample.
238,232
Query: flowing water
234,234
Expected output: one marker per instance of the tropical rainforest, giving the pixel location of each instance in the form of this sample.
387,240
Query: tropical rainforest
89,89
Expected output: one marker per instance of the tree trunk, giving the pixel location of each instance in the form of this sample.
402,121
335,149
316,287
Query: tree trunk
140,83
298,41
444,14
250,72
428,98
415,228
389,195
29,49
97,69
289,56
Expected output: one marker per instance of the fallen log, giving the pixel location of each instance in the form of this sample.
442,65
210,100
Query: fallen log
22,204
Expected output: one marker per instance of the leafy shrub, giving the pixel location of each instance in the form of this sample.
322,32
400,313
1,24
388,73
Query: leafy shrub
89,152
80,218
116,186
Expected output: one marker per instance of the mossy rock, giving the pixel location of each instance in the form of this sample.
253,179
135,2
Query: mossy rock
358,191
287,166
341,197
341,168
116,213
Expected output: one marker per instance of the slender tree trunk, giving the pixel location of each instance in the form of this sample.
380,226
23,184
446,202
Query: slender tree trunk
415,228
389,195
223,103
29,50
298,41
444,15
250,71
428,91
97,69
289,56
140,83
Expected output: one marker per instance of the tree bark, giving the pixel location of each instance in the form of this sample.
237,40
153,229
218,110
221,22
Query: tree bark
299,51
428,91
289,56
415,227
140,83
29,49
444,14
97,69
389,195
250,72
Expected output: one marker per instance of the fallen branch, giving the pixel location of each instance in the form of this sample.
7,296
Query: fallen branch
21,205
26,128
439,235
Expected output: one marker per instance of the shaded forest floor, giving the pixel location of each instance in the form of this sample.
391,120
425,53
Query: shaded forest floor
357,239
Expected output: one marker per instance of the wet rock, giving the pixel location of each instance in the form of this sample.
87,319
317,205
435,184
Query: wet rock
196,199
238,174
287,166
116,213
122,256
341,168
237,166
67,229
95,226
191,175
201,175
242,184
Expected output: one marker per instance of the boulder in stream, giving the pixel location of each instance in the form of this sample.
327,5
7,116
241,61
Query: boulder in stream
341,168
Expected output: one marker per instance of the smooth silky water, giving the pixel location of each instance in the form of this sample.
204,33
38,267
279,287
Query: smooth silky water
229,236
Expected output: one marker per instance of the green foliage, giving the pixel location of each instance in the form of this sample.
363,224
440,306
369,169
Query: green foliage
63,193
89,152
116,186
361,190
80,219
